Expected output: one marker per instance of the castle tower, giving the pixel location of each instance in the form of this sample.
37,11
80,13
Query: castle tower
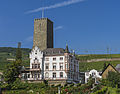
43,33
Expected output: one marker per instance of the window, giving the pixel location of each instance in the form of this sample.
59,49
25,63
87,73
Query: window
71,76
35,61
35,66
68,75
93,74
46,75
54,59
61,66
40,26
35,75
54,75
54,66
61,74
66,66
47,66
36,52
46,59
28,75
38,75
71,66
61,58
32,66
32,75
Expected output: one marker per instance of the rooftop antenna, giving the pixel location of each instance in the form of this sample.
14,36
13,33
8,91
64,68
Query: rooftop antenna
43,9
43,13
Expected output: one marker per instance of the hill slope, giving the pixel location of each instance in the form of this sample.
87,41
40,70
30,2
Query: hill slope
7,54
96,61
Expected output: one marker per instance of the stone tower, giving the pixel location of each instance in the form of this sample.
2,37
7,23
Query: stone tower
43,33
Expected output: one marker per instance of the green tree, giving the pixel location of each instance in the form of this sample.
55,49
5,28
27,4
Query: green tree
12,71
113,78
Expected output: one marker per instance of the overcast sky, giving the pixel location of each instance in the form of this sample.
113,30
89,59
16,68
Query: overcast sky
87,26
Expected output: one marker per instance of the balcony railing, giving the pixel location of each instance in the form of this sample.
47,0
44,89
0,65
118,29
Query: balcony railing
37,69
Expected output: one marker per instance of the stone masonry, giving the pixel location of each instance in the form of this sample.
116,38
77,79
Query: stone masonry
43,33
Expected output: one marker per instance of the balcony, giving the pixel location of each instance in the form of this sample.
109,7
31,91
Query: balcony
35,69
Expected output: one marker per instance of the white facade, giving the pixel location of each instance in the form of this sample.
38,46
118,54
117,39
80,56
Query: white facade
57,66
94,74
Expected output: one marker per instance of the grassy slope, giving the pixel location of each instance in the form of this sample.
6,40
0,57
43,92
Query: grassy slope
9,52
85,66
96,56
96,65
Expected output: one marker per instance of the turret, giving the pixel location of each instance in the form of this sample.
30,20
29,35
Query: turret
67,49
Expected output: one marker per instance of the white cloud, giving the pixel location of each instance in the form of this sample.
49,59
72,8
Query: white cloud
65,3
29,39
58,28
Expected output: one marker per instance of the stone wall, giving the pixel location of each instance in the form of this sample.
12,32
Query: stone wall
43,33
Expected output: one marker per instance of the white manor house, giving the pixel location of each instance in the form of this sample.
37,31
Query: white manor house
55,65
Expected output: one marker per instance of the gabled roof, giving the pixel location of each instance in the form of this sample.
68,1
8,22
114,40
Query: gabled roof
107,67
118,68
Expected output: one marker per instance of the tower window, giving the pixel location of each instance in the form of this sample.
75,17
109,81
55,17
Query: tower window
40,26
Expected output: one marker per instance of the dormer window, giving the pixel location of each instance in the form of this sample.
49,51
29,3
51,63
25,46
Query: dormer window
54,59
61,58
